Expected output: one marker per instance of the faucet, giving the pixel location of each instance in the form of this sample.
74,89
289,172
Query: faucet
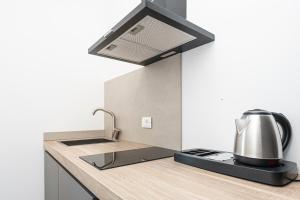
115,131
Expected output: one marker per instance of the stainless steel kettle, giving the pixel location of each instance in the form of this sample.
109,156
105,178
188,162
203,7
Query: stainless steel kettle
258,139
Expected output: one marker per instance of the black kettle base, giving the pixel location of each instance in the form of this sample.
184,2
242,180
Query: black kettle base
257,162
225,163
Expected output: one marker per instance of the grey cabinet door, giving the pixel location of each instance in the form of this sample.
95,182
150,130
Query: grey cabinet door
51,178
70,189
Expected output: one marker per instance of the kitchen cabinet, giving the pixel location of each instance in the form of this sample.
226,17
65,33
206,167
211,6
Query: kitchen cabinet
61,185
70,189
51,178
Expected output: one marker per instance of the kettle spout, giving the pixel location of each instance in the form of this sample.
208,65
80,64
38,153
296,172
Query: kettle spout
241,125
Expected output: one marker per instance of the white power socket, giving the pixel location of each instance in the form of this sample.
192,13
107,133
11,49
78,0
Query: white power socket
147,122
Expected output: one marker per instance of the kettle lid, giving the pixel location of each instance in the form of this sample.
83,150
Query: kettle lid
257,112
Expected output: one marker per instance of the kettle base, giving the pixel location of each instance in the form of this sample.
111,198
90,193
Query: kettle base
225,163
257,162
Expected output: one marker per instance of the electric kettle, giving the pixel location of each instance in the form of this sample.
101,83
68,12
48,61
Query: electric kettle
259,141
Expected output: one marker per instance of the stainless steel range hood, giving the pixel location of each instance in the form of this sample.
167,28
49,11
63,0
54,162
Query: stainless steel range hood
154,30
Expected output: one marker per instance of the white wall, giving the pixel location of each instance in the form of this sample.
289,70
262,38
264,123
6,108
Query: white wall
48,82
254,63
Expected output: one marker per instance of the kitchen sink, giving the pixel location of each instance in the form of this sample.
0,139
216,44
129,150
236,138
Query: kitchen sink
85,141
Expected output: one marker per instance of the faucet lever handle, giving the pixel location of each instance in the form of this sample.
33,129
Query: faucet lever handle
115,134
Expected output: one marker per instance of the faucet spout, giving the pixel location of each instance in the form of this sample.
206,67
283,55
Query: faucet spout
115,131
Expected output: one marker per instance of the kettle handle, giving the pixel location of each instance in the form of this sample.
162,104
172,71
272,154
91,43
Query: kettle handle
286,127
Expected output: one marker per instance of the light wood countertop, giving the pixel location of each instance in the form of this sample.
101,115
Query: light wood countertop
162,179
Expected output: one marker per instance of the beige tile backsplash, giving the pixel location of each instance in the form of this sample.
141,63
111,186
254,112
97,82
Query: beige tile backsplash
153,91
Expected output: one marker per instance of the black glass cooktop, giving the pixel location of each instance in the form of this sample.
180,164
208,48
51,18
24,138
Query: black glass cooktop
121,158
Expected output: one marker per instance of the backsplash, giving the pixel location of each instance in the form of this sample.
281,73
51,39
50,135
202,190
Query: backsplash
153,91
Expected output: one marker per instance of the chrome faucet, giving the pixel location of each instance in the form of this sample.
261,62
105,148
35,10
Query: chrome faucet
115,131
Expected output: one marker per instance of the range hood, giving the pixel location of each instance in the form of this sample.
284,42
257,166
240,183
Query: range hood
154,30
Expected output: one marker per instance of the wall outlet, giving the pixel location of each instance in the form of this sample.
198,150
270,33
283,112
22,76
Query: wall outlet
146,122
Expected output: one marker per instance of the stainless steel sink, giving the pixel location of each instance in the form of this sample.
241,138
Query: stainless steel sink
85,141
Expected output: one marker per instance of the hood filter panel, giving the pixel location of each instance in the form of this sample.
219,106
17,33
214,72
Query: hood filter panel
128,51
158,35
146,39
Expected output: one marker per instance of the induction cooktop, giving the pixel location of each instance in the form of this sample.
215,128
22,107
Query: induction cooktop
128,157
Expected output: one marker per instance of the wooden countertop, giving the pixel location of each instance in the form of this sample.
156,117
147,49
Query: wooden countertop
162,179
